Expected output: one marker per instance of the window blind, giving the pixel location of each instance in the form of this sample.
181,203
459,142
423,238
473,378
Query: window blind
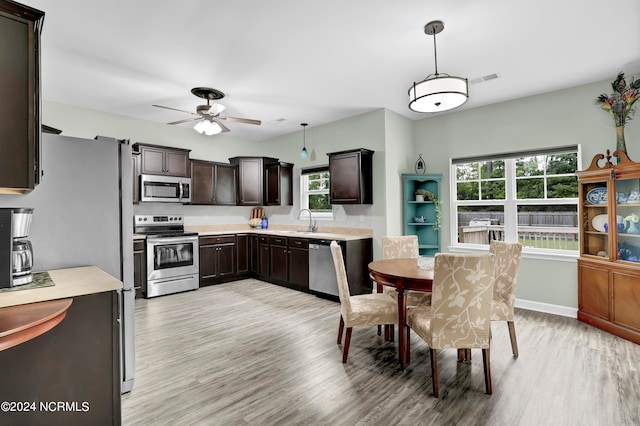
517,154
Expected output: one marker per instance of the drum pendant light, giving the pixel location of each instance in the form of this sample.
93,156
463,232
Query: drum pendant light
304,153
437,92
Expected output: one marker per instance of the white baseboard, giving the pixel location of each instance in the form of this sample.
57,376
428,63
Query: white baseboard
564,311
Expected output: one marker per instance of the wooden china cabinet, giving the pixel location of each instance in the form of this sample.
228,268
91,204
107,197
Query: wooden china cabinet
609,263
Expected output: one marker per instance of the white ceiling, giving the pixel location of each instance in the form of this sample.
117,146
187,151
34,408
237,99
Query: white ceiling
320,61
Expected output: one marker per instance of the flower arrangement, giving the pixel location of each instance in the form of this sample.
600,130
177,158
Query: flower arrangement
430,196
620,105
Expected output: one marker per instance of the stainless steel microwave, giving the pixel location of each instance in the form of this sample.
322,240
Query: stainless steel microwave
165,189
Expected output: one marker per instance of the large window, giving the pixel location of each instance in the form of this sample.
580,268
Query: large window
530,197
314,192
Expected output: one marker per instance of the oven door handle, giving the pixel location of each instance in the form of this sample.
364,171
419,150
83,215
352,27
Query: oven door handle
173,240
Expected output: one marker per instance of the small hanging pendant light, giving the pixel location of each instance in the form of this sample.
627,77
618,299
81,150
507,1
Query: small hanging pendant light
304,153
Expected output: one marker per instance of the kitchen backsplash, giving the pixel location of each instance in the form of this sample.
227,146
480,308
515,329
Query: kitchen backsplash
345,216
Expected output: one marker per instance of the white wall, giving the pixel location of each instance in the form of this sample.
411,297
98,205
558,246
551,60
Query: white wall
362,131
563,117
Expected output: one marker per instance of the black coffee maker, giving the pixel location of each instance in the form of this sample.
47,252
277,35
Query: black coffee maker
16,254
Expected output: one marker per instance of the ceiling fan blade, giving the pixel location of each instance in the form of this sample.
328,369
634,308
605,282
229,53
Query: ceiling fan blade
222,126
186,120
241,120
174,109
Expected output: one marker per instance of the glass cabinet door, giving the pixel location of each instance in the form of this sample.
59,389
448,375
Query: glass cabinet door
628,220
595,223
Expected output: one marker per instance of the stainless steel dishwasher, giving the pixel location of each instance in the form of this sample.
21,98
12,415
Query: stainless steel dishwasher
322,272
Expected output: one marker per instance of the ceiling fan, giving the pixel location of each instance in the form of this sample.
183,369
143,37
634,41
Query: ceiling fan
208,116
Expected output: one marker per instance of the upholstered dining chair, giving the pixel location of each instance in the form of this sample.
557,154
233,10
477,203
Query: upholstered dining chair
361,310
405,246
396,247
460,312
507,264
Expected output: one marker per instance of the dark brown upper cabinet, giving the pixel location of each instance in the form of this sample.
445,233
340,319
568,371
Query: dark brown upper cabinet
351,174
20,103
278,185
251,179
163,160
213,183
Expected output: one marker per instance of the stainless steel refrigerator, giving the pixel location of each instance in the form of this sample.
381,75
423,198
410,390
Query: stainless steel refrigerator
83,215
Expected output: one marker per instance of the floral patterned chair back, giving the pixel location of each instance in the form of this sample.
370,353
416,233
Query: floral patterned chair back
401,246
507,264
461,301
405,246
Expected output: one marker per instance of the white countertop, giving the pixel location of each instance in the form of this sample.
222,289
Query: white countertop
284,231
68,282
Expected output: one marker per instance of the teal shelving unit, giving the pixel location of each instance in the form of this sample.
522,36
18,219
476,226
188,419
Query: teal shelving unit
428,237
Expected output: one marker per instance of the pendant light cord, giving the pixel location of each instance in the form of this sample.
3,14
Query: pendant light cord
435,53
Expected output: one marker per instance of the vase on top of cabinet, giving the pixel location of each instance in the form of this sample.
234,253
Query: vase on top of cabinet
609,262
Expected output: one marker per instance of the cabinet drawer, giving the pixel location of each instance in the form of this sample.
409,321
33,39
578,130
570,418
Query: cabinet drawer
299,242
263,239
278,241
217,239
138,245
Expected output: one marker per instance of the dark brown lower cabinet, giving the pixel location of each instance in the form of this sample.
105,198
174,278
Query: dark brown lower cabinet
217,259
242,254
254,264
278,258
76,363
263,257
298,263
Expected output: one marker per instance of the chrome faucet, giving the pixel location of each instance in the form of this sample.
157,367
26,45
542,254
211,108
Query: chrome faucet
313,224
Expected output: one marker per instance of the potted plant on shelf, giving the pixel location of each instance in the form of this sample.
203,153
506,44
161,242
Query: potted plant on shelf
424,195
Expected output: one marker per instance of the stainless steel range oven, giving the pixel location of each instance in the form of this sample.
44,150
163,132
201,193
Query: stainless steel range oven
172,254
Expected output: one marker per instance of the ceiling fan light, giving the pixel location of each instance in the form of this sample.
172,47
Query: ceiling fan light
212,128
199,127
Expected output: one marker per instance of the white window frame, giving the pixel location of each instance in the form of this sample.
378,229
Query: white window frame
304,199
510,207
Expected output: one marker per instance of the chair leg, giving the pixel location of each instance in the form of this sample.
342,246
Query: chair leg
487,371
379,290
434,372
408,344
389,332
340,329
464,355
347,341
512,335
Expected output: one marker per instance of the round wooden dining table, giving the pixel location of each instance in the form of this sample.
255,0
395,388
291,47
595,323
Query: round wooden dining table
403,274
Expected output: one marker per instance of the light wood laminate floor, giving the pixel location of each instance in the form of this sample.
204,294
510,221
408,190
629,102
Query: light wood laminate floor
253,353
